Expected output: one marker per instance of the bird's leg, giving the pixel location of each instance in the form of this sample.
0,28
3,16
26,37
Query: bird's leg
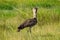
30,29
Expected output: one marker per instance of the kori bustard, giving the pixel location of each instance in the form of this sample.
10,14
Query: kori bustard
29,22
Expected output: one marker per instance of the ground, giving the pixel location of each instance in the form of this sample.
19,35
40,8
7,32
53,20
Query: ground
14,12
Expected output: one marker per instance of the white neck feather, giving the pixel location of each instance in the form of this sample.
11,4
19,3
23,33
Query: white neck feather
34,13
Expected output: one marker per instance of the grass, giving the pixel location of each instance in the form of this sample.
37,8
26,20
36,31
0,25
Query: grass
14,12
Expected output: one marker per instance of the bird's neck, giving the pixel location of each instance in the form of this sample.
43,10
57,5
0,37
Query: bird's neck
34,15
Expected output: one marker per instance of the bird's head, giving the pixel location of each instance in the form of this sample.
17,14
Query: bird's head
35,10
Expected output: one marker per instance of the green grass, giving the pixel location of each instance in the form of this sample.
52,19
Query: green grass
14,12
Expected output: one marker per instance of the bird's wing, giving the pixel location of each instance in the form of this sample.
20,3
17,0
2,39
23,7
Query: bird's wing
27,22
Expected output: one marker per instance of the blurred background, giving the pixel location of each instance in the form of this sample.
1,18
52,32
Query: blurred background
14,12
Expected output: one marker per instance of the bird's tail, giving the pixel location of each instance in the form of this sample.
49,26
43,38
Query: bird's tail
20,27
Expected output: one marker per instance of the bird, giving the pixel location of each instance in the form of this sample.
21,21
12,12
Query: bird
29,22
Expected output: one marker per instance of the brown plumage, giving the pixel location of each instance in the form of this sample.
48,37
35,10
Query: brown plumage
30,22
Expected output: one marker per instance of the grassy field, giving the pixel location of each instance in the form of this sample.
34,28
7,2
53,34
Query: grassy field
14,12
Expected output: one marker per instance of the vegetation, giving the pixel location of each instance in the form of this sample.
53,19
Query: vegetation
14,12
